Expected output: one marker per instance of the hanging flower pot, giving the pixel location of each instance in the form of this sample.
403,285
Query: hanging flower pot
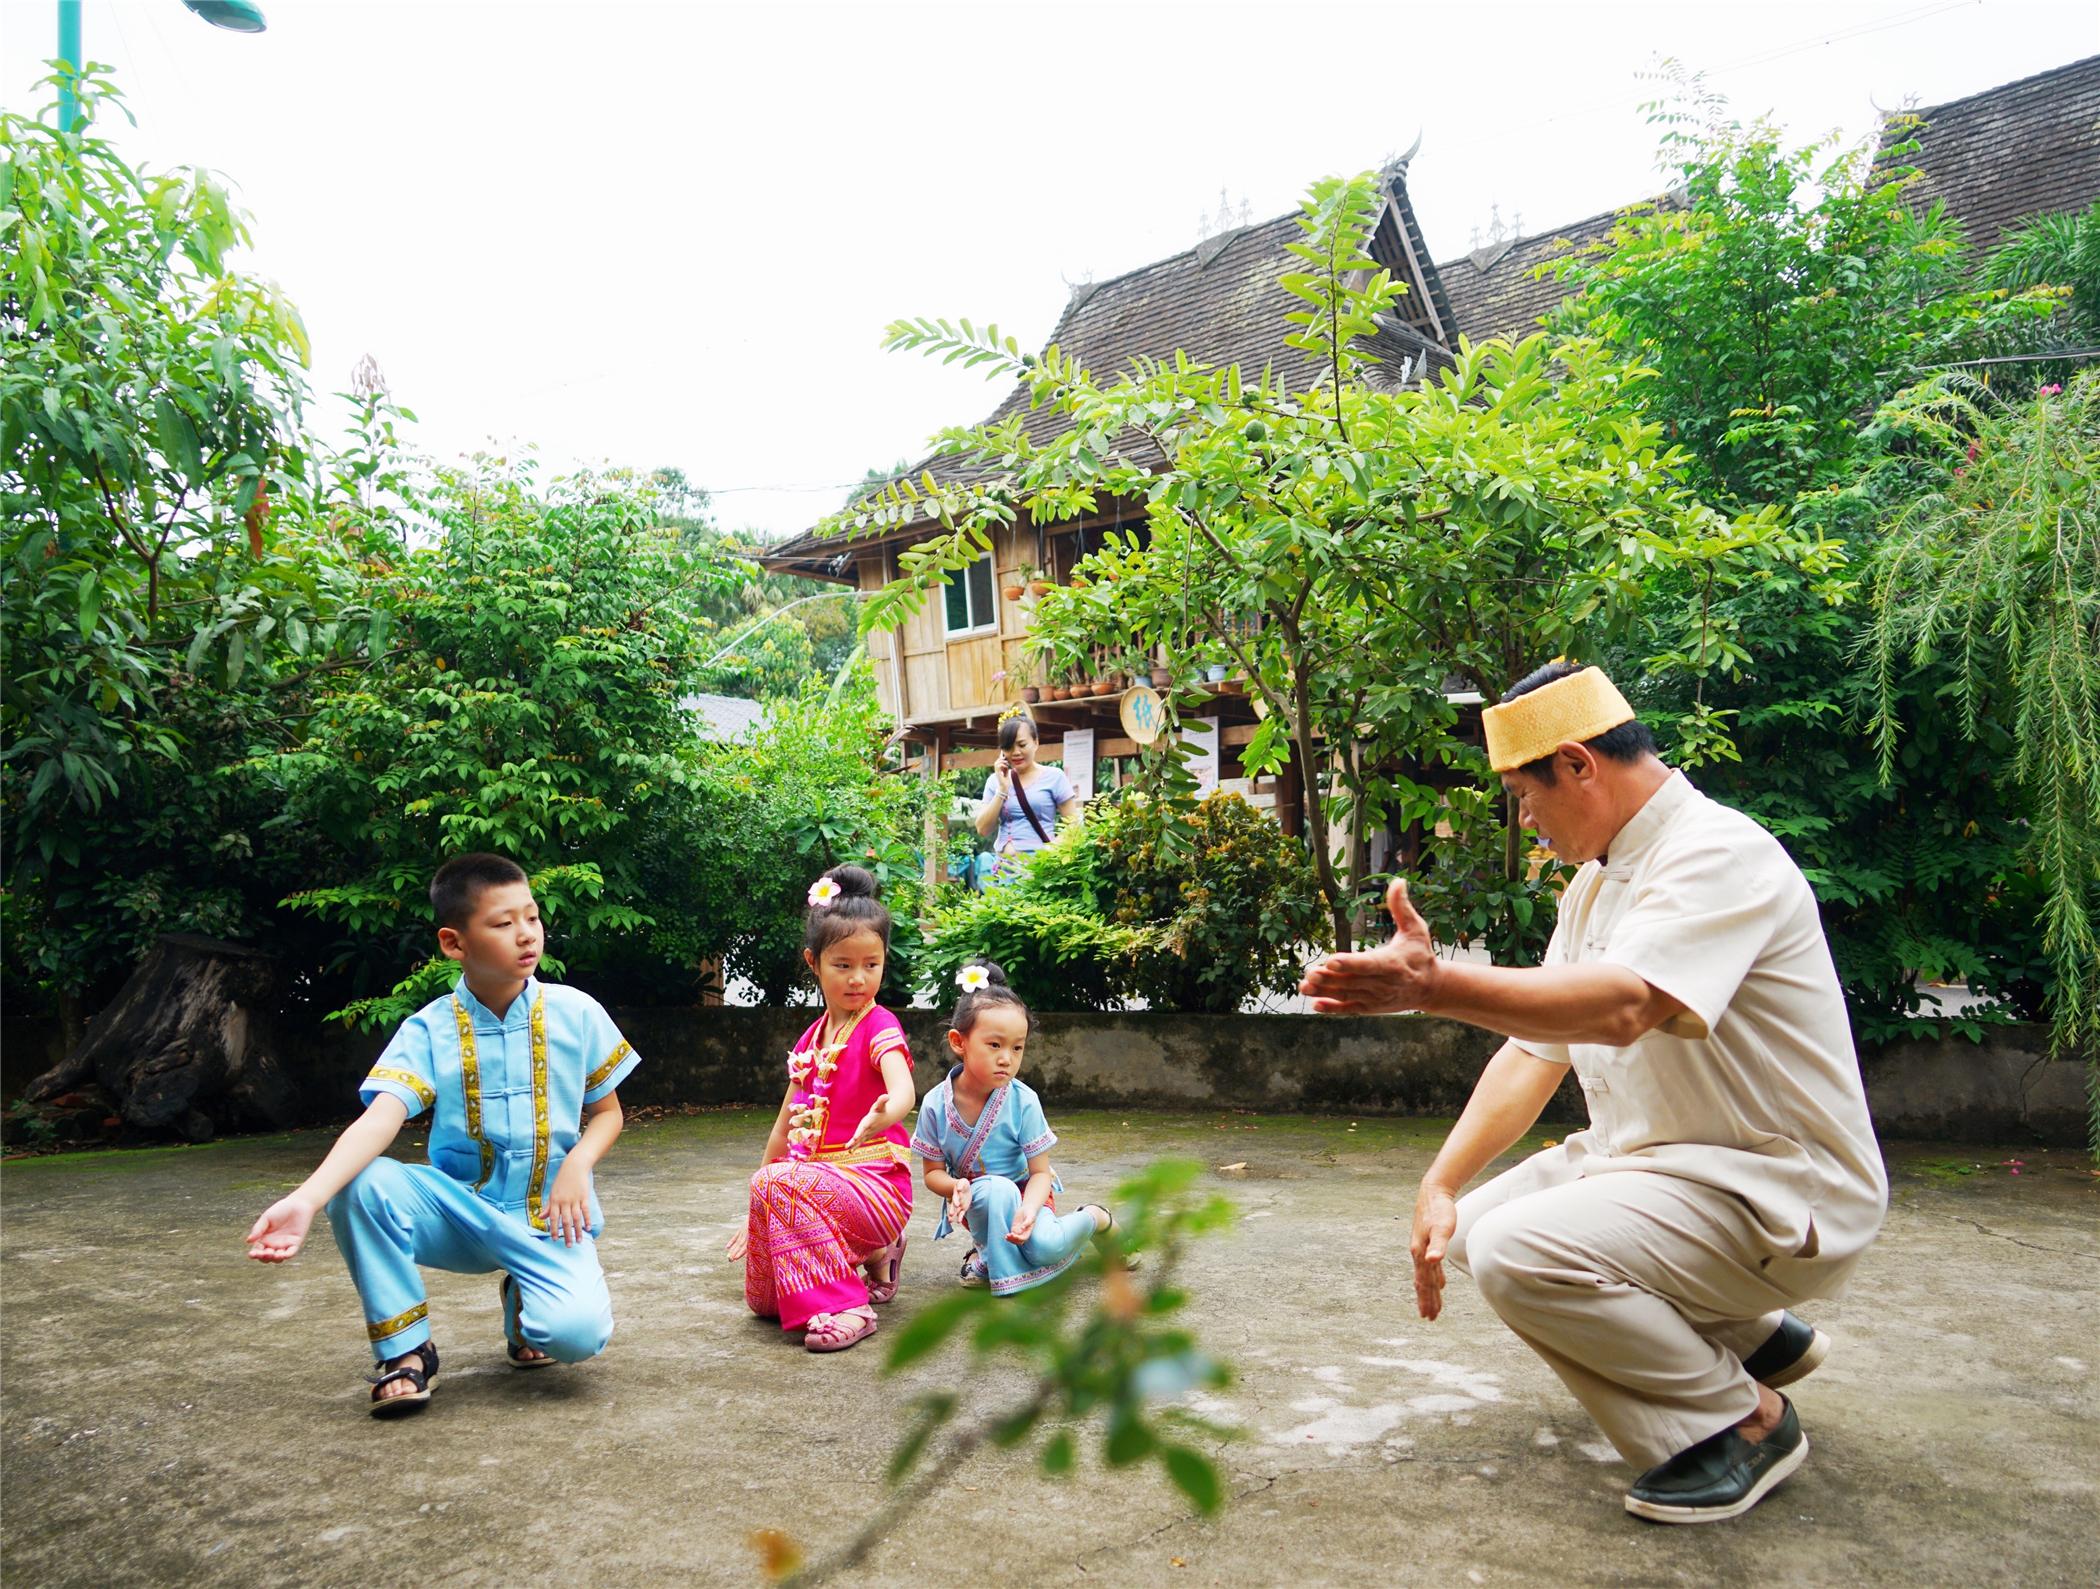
1038,587
1012,592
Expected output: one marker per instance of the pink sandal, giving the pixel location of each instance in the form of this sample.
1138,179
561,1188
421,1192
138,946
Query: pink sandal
891,1257
839,1331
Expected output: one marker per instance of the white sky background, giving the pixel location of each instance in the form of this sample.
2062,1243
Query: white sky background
672,234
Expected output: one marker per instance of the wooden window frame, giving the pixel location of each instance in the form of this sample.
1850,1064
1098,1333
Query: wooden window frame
990,625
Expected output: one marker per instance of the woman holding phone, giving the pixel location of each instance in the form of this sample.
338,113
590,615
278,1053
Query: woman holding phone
1023,801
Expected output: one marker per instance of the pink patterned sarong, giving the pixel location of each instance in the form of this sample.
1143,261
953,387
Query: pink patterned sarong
815,1222
812,1226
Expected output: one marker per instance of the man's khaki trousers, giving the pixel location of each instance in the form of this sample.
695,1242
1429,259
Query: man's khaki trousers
1644,1292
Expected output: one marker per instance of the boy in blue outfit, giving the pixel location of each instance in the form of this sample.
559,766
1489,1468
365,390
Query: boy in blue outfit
519,1079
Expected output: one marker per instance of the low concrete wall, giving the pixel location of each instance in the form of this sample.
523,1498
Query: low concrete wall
2005,1089
2000,1090
1402,1065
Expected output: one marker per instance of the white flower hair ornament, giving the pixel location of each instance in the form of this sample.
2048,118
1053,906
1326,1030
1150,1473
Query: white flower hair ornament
973,979
824,893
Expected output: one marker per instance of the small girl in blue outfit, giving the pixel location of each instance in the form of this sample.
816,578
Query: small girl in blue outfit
985,1147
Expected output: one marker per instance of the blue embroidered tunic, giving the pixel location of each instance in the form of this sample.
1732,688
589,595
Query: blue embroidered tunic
505,1095
1009,1132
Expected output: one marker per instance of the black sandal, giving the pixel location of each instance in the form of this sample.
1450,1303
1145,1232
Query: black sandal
513,1341
422,1377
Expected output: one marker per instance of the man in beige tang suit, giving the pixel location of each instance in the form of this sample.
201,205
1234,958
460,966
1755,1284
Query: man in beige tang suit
1729,1170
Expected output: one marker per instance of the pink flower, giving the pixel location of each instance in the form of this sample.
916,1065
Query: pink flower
2052,389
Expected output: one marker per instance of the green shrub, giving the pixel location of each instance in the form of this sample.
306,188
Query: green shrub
1223,913
1057,954
1186,904
802,794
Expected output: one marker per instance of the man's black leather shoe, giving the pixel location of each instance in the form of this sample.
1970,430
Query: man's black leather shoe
1722,1476
1793,1351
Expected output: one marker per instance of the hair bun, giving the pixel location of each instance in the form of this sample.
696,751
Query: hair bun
855,882
994,972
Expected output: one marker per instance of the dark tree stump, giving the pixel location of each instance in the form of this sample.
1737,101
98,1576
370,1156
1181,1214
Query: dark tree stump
188,1049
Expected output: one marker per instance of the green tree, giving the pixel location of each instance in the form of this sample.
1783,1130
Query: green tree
804,793
161,621
527,703
1780,296
1997,570
2061,252
1349,547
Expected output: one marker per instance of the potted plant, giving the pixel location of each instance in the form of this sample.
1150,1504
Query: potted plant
1025,674
1162,676
1215,673
1033,578
1015,584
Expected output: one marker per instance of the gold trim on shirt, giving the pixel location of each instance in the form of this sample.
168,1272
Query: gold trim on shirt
539,1114
399,1322
406,1078
612,1063
470,1085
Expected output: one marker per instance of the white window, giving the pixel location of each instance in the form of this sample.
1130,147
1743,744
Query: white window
971,608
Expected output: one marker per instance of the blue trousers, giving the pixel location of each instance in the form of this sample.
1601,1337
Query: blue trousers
995,1203
397,1219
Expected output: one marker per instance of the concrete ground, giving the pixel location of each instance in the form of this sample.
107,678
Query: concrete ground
175,1414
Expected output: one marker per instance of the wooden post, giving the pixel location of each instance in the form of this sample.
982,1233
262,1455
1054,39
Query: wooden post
1290,801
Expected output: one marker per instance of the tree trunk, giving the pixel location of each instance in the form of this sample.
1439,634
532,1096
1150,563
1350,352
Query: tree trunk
1512,858
187,1049
1359,848
1316,838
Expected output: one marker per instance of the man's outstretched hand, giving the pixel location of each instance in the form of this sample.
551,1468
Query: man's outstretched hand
1398,975
1436,1217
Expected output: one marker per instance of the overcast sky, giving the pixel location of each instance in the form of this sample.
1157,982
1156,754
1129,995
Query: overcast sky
673,233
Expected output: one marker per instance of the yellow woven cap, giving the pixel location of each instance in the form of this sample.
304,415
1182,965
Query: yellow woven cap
1580,706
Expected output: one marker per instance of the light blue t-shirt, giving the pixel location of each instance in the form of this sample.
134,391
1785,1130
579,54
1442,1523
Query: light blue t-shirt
1045,795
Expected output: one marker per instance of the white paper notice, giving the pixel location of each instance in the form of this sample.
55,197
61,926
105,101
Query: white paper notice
1201,733
1079,761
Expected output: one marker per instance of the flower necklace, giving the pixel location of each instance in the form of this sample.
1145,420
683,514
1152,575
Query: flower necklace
810,1074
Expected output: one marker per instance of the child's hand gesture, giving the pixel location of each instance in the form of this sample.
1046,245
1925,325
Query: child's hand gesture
281,1232
738,1244
959,1204
567,1210
871,1124
1022,1227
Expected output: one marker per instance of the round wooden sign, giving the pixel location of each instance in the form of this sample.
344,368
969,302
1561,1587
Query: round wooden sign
1143,713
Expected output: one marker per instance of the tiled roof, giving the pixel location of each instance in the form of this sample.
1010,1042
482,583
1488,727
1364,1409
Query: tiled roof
724,719
2018,150
1220,303
2025,148
1493,291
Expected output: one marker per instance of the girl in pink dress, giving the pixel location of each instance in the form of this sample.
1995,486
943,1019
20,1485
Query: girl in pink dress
829,1205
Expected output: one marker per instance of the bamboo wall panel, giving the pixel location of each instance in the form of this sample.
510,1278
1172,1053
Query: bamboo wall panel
971,664
925,686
